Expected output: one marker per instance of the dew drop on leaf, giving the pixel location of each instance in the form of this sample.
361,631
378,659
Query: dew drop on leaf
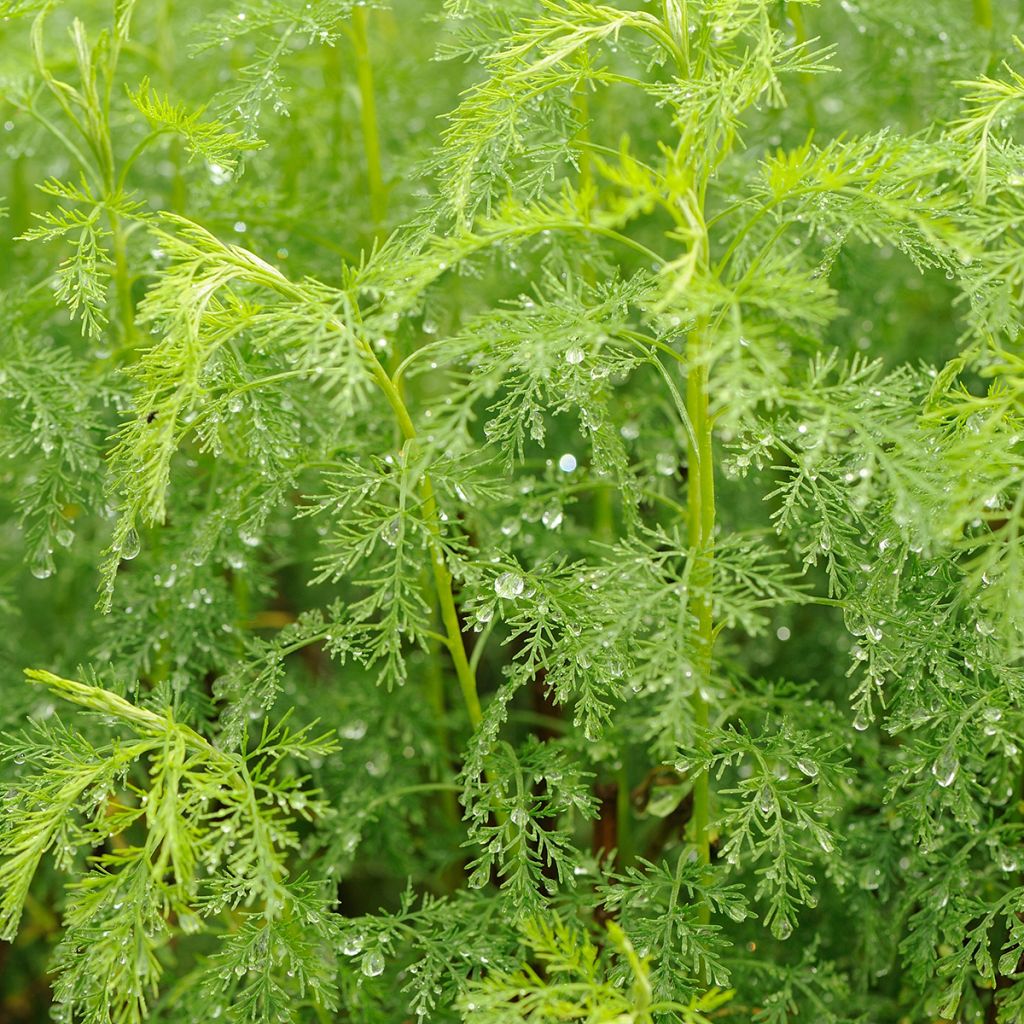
781,929
508,585
945,768
809,768
552,517
664,463
765,800
130,546
389,532
574,356
373,964
352,945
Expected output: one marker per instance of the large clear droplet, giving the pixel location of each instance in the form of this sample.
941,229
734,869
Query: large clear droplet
765,800
574,356
945,767
781,929
373,964
809,768
130,546
508,585
352,945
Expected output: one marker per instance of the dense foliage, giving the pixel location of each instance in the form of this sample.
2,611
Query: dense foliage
512,511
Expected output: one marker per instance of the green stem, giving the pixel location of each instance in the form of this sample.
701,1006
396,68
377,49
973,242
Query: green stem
122,281
435,694
796,15
983,13
701,528
623,818
368,116
442,577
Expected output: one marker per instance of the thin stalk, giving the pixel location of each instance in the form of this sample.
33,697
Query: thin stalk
368,117
122,280
624,818
983,13
436,696
442,577
166,61
796,15
701,529
604,508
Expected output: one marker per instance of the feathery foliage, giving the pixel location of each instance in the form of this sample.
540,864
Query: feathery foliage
513,512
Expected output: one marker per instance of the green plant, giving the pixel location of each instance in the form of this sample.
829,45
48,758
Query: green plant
555,563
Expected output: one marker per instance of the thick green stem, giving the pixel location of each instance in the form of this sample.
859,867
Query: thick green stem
983,13
368,115
701,528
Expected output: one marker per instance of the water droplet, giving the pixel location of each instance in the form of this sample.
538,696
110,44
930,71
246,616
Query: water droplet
567,463
736,911
130,546
42,570
552,517
511,526
519,818
765,800
219,175
665,463
809,768
354,730
574,356
861,721
870,877
373,964
352,945
65,536
390,531
781,929
945,767
508,585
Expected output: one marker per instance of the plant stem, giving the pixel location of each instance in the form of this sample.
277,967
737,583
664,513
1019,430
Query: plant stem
368,116
442,577
624,817
122,281
701,527
983,13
